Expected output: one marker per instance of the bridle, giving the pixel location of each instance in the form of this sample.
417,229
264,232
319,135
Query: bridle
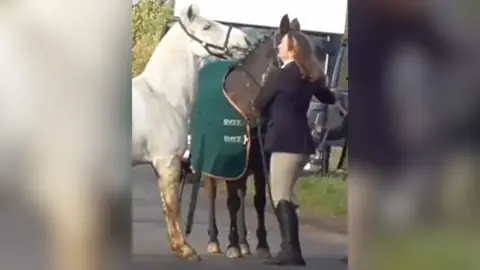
226,53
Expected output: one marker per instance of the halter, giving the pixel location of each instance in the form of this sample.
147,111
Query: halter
226,53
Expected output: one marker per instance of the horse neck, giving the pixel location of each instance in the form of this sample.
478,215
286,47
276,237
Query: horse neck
172,71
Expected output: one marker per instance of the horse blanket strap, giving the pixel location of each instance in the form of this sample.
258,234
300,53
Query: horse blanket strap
217,127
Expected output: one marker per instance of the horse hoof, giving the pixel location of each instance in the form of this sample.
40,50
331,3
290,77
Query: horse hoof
233,253
263,253
245,250
214,248
187,253
193,258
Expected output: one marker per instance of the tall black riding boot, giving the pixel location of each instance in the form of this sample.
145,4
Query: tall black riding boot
290,250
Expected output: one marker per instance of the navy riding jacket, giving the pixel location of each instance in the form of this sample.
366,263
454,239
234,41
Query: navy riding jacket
284,101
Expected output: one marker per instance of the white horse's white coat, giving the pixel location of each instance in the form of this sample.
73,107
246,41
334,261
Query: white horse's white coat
162,98
163,95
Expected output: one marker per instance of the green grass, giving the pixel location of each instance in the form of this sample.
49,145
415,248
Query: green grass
326,195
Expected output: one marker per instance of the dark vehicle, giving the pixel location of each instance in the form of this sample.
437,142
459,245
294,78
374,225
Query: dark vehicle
324,118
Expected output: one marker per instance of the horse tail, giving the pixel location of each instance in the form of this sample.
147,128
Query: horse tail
183,179
197,177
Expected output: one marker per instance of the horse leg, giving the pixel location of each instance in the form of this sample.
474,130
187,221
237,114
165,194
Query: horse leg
242,227
233,204
260,201
211,190
168,172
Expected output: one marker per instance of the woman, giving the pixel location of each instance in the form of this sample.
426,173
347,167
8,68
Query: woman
285,99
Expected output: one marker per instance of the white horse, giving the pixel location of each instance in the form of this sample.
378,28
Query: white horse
162,98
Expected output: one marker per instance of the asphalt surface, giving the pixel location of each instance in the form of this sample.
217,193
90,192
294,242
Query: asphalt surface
22,236
322,249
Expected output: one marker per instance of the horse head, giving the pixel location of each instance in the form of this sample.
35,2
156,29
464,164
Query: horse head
244,81
210,38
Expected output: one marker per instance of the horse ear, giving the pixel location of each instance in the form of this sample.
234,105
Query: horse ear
295,24
284,24
191,12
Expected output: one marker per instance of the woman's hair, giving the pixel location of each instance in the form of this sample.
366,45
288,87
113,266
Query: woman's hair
304,56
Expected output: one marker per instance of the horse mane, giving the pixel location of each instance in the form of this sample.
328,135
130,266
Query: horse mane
255,45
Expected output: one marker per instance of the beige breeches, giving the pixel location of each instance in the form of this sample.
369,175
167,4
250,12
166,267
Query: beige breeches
285,169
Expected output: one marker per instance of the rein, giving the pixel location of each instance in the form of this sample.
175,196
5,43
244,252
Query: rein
208,46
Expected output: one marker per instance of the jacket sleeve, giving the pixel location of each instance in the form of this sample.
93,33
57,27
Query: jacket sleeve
323,93
286,77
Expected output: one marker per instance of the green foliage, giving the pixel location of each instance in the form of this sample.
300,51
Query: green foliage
149,20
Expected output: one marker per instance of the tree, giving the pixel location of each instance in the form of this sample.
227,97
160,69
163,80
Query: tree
149,22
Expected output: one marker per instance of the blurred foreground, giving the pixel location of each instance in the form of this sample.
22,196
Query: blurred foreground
64,133
413,190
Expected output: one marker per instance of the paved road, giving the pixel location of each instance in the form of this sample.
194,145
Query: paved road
151,251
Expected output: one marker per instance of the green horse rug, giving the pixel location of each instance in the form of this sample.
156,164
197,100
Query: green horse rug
219,136
220,142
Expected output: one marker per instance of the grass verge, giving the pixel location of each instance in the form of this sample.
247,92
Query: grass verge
326,195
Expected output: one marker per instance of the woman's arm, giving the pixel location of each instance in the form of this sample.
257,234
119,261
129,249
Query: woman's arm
323,93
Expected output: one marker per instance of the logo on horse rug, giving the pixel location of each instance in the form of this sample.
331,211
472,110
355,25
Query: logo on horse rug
220,142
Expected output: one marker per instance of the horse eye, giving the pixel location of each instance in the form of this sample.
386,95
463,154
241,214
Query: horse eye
207,27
